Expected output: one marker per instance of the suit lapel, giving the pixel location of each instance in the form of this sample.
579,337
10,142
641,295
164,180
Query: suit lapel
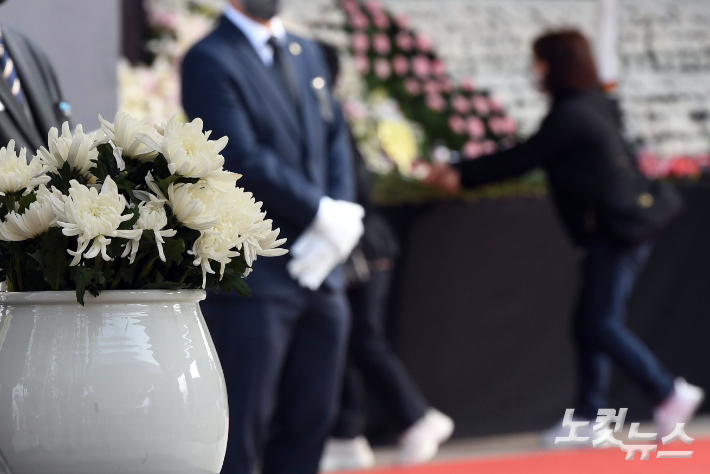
309,105
259,74
11,104
35,90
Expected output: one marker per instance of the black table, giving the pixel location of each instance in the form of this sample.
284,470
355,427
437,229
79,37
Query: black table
480,310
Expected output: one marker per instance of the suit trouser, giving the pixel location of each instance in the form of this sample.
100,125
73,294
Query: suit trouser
283,362
372,361
608,277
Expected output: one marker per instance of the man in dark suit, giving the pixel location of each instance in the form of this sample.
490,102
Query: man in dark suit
31,101
282,350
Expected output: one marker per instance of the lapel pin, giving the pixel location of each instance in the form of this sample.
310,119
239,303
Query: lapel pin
295,49
318,83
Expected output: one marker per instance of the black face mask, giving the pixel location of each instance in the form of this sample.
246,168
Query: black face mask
262,9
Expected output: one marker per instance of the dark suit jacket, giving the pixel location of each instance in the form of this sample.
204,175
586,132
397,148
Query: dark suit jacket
41,90
597,186
289,158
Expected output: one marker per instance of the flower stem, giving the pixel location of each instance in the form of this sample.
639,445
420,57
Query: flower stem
147,268
18,275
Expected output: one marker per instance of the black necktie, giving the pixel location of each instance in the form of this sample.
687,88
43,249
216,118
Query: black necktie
284,70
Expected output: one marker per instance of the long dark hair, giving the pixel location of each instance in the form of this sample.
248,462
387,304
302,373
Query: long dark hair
571,66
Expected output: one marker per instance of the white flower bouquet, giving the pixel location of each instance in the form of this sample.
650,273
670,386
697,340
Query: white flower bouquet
128,207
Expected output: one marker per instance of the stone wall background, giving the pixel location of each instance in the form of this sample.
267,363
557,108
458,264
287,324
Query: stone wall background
665,56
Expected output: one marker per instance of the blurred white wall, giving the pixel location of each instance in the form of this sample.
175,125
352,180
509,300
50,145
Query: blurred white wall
82,37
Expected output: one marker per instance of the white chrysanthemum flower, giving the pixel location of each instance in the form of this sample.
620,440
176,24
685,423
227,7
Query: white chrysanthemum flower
76,149
36,219
188,150
152,218
92,217
126,135
212,245
245,222
242,229
196,206
16,174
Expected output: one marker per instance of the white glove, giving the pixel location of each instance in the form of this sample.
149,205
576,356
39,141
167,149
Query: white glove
341,223
314,258
328,241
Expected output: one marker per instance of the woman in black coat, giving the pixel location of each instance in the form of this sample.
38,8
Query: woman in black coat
608,207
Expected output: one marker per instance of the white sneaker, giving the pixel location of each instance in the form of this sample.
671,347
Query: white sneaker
421,441
347,455
679,407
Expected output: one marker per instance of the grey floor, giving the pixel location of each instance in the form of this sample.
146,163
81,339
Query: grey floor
493,446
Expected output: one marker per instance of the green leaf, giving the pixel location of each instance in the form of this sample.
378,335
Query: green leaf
173,250
84,278
54,261
25,202
126,225
161,167
236,283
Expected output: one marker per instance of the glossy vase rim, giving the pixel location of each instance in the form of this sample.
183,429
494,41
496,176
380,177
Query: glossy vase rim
106,297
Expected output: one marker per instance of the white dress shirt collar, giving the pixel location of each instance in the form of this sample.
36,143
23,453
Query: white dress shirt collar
257,34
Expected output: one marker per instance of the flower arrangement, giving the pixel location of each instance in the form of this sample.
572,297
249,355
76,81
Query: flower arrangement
390,56
151,90
681,168
128,207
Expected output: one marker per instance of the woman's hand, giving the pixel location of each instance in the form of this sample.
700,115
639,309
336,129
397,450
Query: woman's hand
443,177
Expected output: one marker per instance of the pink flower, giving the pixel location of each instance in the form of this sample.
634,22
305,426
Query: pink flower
472,150
400,64
489,147
373,6
457,124
511,126
650,164
448,85
683,167
413,86
354,109
480,104
361,42
495,104
359,21
438,68
435,102
476,127
468,84
382,68
497,125
381,21
421,66
460,104
381,44
351,6
362,64
404,41
432,88
164,19
423,43
402,21
507,143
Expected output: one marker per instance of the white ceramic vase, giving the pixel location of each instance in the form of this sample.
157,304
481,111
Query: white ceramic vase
128,383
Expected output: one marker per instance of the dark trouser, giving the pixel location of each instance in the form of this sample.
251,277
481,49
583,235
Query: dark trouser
608,277
283,361
372,361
